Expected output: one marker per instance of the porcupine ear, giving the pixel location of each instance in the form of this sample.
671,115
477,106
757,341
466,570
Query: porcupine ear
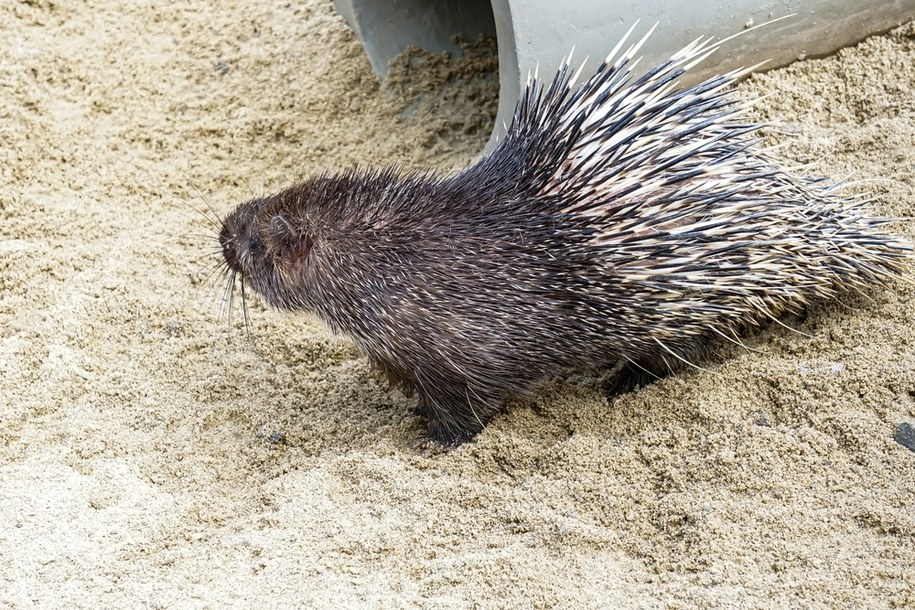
291,243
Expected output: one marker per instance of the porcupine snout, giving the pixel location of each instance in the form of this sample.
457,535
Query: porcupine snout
239,238
227,241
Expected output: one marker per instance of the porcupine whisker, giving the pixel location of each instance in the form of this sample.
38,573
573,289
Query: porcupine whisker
208,237
212,218
213,224
214,293
216,249
244,309
215,277
190,206
228,297
215,218
251,191
226,277
212,221
212,264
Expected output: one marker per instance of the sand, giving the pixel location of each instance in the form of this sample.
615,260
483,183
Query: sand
153,457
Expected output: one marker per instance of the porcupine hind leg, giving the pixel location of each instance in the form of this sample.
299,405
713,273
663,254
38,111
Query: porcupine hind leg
665,361
631,377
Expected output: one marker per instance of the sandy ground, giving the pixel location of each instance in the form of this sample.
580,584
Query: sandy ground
153,457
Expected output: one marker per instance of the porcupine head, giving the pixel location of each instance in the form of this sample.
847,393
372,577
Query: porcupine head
619,220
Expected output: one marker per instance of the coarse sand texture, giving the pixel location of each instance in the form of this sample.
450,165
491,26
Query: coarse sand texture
152,455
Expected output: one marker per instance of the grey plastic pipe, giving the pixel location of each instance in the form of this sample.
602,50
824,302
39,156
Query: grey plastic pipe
542,32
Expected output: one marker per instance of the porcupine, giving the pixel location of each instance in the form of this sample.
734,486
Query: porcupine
621,220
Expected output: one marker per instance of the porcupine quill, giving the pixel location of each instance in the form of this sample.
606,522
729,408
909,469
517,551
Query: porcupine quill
618,220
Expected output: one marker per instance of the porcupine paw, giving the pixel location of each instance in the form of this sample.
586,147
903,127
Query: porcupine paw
453,428
453,422
442,434
630,377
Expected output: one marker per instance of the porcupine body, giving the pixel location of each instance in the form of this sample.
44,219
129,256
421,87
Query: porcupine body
620,219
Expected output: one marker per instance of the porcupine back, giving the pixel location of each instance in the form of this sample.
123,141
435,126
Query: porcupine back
658,223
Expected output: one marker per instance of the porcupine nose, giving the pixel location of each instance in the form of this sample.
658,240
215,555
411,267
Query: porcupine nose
227,243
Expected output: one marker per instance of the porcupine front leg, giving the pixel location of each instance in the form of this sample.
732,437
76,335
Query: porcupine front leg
456,413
